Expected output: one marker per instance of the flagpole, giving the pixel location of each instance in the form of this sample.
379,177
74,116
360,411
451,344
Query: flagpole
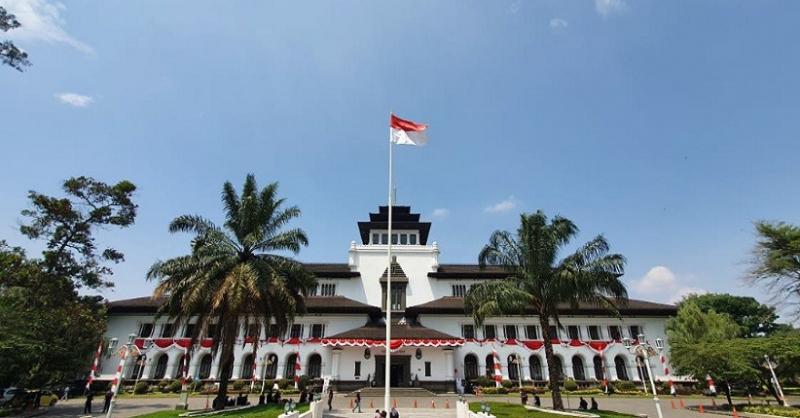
387,360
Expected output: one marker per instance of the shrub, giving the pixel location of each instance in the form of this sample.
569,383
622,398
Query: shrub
238,385
507,384
141,388
495,391
773,410
283,384
175,386
484,381
570,385
625,386
195,386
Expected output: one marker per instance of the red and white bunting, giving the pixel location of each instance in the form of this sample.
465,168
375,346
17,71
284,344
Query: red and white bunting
115,383
95,363
663,359
395,344
498,376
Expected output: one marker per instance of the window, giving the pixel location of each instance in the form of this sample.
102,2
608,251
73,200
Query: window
642,369
138,368
398,297
313,291
403,239
622,368
384,239
489,365
297,331
289,370
552,332
535,364
635,331
146,330
211,330
314,366
459,290
598,368
253,330
274,331
247,367
468,331
328,289
510,331
375,238
578,371
574,332
530,332
357,371
272,366
470,367
188,332
394,239
594,332
167,330
317,331
489,332
112,344
513,368
559,366
205,366
615,333
427,369
412,239
161,367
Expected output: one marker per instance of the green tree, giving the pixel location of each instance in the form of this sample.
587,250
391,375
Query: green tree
539,281
9,53
753,317
776,261
68,225
236,273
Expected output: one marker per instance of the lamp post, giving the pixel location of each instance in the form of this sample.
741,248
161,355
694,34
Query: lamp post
771,366
129,348
644,350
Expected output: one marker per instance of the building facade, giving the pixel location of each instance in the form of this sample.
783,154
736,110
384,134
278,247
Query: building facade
434,342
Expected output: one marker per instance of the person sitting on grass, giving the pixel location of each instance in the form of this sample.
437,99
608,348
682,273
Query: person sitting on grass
583,404
594,404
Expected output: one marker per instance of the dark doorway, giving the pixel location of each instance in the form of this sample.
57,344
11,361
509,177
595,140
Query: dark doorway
400,371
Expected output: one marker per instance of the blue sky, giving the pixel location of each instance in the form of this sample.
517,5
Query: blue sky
668,126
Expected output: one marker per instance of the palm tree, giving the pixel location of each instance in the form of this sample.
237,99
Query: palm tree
539,282
236,273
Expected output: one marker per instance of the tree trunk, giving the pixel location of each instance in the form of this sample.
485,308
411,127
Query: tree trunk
728,395
222,390
554,374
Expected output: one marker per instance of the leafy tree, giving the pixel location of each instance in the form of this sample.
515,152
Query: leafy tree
236,272
753,317
776,261
35,307
68,224
9,53
539,280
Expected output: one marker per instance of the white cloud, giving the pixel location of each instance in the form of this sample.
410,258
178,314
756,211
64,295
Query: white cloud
504,206
609,7
440,213
557,23
661,284
74,99
41,21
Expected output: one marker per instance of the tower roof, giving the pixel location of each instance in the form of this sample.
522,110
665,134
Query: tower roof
402,218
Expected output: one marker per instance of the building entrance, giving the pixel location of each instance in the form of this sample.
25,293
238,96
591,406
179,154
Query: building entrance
400,371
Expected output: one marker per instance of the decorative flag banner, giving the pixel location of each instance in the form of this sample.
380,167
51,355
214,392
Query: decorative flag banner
95,363
710,382
406,132
498,376
666,373
115,383
297,370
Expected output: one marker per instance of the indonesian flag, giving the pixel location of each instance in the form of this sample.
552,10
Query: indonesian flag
498,376
296,370
406,132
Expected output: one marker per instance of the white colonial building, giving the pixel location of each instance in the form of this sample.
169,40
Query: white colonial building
341,336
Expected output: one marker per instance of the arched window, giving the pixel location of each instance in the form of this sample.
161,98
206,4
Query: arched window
272,367
138,368
470,367
290,362
535,365
578,371
227,368
247,367
599,374
641,367
161,367
622,368
314,368
490,365
513,369
559,366
179,367
205,367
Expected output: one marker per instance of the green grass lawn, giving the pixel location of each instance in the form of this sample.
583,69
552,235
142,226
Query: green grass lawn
268,411
504,410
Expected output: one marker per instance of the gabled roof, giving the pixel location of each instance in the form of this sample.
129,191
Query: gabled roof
314,304
398,275
455,305
374,330
331,270
468,271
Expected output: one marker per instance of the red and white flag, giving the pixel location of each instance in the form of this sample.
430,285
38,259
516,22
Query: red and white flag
297,370
406,132
711,385
498,376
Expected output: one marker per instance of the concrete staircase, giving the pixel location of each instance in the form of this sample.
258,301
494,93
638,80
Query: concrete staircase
404,412
395,393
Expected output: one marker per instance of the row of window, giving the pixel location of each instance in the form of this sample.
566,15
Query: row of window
168,330
313,368
324,289
536,368
397,238
573,332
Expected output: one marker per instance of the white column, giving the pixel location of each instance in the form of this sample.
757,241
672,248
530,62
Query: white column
336,355
215,367
237,366
171,359
524,368
449,365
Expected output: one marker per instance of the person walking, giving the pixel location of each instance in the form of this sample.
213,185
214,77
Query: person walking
358,402
394,413
330,399
87,407
107,400
65,397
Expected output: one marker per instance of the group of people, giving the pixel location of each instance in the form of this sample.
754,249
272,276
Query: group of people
393,413
87,406
585,406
